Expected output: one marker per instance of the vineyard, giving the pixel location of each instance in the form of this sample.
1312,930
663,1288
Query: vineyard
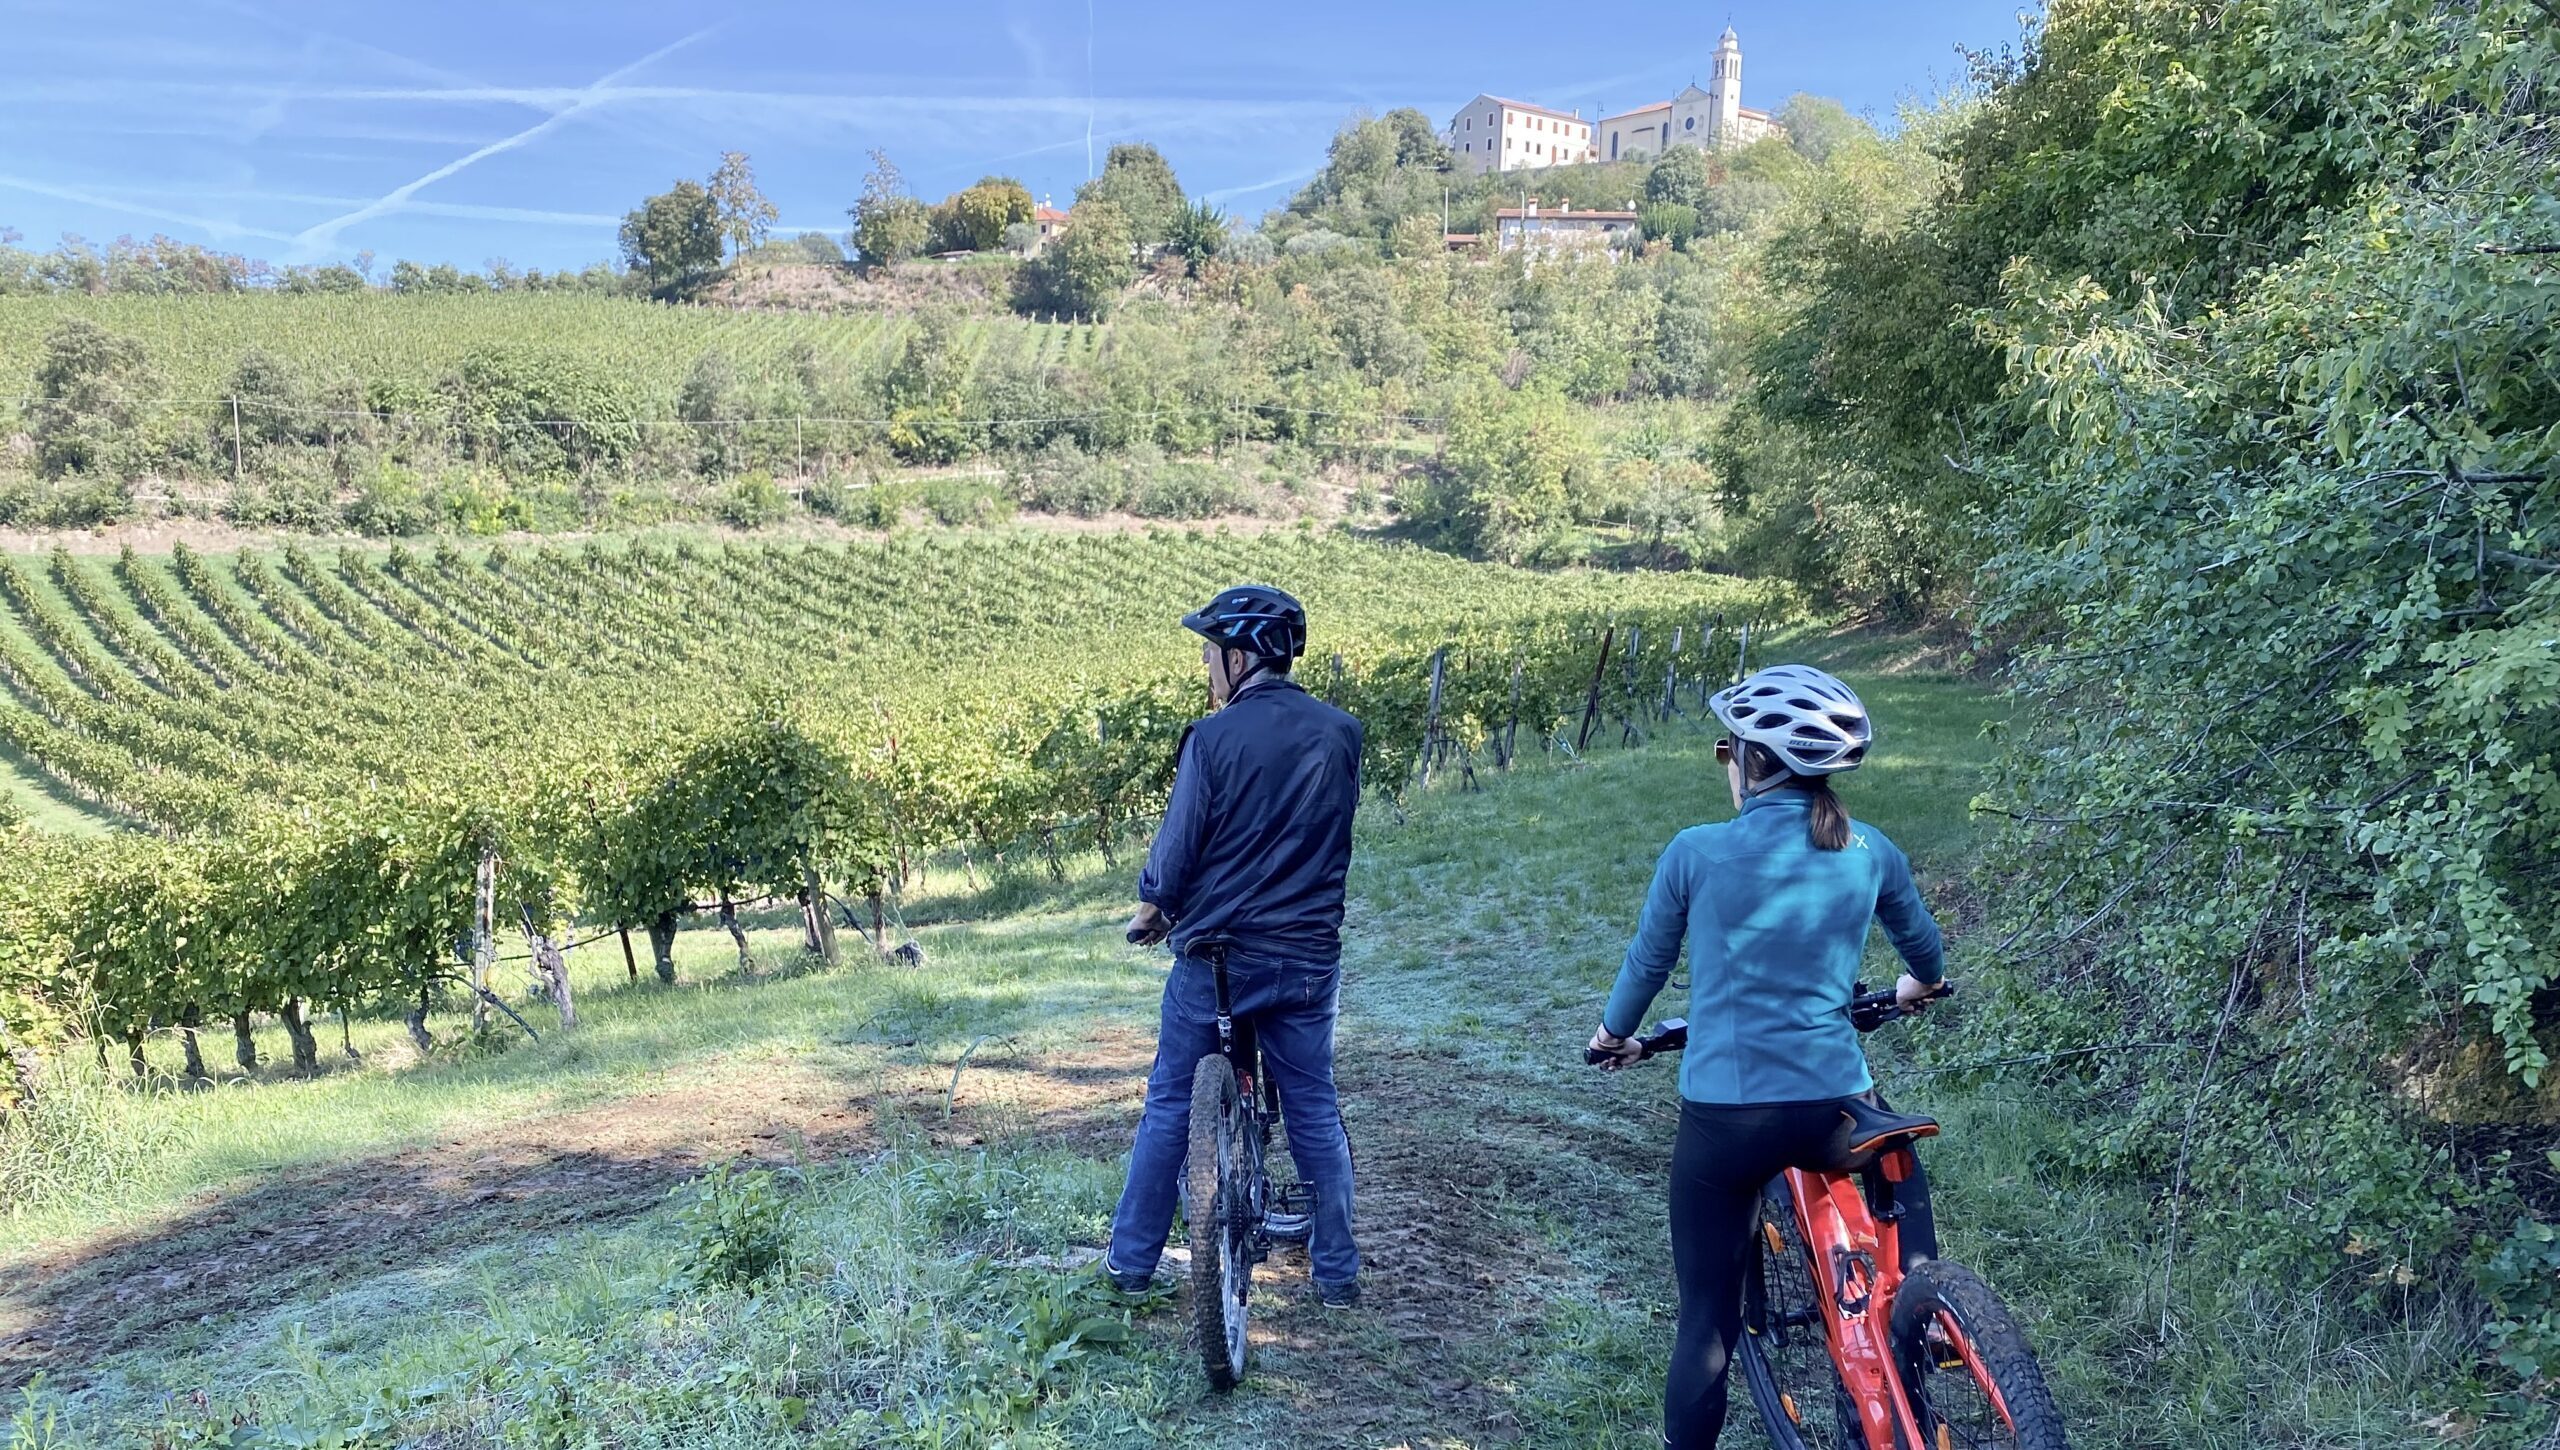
344,772
194,342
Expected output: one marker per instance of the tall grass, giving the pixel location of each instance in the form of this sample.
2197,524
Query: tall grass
83,1145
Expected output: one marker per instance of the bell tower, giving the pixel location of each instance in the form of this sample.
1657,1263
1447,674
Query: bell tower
1724,88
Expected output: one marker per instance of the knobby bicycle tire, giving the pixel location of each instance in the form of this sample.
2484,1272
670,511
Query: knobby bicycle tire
1221,1273
1953,1394
1784,1355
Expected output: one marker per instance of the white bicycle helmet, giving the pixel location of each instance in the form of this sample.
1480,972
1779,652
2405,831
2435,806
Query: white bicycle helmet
1812,722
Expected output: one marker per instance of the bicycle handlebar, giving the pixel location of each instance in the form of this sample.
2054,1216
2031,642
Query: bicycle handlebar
1867,1012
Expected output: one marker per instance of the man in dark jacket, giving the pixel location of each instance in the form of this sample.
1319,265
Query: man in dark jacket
1249,865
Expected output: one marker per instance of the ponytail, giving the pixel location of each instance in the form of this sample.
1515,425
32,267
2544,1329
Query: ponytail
1830,827
1763,770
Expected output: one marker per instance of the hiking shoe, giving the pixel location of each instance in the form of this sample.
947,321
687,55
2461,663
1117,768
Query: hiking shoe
1339,1296
1132,1284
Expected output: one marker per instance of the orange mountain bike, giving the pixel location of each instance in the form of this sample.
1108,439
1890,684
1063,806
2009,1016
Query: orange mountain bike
1844,1346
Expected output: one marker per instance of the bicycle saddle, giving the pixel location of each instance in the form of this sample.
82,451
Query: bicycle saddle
1872,1127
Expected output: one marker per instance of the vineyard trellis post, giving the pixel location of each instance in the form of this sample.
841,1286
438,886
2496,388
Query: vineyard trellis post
235,439
1706,658
1671,675
1742,652
630,963
1626,713
1431,716
729,920
1591,704
1511,727
484,936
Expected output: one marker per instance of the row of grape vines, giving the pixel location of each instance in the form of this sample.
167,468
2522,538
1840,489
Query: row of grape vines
194,343
318,751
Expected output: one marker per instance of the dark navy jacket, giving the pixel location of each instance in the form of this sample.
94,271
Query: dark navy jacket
1257,838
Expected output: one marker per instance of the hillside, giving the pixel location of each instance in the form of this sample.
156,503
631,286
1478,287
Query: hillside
1511,1199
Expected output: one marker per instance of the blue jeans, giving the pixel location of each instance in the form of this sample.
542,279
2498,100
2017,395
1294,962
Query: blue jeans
1292,1004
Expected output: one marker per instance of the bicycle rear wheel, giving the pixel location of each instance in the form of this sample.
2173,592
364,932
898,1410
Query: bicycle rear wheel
1974,1383
1785,1359
1217,1201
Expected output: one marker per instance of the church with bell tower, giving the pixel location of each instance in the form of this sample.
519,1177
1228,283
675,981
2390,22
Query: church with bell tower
1495,134
1712,118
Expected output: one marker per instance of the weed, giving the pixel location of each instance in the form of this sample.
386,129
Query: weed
739,1224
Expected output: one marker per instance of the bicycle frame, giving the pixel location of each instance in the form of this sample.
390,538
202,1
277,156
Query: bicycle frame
1260,1096
1852,1231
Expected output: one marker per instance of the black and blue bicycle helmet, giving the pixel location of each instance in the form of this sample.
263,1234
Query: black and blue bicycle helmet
1264,622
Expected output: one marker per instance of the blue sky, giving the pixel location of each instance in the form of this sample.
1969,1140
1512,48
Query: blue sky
466,130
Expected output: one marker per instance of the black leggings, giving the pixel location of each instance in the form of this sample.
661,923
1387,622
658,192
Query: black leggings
1723,1158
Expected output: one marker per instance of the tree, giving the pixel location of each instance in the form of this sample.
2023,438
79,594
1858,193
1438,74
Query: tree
1199,233
1818,126
745,215
88,388
1668,221
975,219
1087,267
1508,470
674,237
1380,170
888,224
1139,183
1681,178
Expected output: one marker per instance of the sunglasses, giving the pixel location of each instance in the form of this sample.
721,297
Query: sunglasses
1724,751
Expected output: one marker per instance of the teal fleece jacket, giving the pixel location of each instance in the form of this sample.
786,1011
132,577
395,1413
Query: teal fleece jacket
1775,930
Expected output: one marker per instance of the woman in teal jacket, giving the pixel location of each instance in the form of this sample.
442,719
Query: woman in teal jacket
1775,906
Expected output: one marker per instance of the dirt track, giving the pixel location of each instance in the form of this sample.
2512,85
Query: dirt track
1439,1259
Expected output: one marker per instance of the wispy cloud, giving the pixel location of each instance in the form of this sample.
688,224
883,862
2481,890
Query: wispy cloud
325,234
1230,193
216,226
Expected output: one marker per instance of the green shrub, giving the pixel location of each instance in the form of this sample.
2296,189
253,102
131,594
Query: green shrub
476,503
75,501
2522,1282
738,1224
879,506
390,502
541,413
827,497
1063,479
284,495
86,419
755,501
1186,490
953,502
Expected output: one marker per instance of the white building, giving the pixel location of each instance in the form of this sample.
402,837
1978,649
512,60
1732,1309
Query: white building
1492,134
1560,228
1713,118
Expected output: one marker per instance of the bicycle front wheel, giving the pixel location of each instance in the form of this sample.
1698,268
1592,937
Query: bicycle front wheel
1217,1200
1974,1383
1784,1357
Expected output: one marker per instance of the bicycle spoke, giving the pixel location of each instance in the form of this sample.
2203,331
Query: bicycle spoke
1956,1409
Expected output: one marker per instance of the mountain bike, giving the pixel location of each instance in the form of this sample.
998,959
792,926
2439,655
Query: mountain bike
1236,1210
1844,1346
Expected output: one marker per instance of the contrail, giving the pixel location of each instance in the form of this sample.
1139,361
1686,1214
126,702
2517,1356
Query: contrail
326,233
212,225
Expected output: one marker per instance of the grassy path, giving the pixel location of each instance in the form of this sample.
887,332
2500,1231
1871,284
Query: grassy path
455,1251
